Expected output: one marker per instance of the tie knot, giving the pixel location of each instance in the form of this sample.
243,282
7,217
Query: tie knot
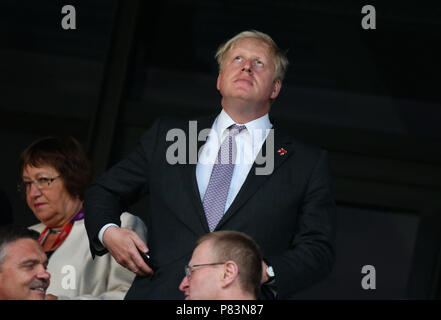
236,129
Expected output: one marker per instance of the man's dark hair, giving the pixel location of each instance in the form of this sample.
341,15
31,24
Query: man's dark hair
12,233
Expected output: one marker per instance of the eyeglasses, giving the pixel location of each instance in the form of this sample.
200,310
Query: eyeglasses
189,268
41,183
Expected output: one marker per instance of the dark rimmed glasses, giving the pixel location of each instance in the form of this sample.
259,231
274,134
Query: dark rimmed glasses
41,183
189,268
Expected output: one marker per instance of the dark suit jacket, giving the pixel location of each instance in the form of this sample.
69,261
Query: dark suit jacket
289,213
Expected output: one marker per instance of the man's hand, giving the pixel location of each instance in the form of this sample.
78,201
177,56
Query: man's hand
123,245
265,276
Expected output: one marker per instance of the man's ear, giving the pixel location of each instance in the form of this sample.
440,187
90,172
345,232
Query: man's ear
218,81
231,272
277,85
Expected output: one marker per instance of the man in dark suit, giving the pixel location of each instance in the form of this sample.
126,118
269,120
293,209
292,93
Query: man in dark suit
282,200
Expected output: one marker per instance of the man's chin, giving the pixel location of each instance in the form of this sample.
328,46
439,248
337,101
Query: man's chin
37,295
189,297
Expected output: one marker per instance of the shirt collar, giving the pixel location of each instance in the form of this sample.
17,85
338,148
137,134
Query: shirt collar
256,128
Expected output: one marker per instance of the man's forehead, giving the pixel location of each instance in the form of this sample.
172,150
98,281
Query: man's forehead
258,45
25,250
202,252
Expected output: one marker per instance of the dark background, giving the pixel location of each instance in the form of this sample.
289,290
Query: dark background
372,98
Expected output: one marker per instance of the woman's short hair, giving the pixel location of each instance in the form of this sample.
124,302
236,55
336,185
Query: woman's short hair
67,156
279,57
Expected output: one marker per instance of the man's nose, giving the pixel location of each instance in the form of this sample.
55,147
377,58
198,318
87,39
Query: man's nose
247,66
43,274
184,284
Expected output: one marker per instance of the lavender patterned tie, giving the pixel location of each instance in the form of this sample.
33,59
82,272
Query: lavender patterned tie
217,191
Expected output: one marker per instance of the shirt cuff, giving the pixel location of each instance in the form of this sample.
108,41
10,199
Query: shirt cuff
101,233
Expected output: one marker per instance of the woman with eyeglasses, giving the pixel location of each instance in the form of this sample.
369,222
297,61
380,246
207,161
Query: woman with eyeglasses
55,173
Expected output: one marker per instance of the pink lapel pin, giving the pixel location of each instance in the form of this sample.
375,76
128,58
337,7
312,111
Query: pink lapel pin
282,151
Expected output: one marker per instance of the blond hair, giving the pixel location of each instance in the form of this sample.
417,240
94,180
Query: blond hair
279,58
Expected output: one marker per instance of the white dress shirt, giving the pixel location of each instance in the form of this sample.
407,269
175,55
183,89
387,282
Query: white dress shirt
248,142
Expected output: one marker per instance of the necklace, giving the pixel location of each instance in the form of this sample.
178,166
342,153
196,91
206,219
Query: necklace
62,234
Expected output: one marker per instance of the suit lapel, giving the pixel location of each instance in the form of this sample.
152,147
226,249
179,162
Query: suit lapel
282,150
189,175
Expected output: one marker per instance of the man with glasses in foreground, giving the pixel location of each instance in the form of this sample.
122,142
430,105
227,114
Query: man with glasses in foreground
225,265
